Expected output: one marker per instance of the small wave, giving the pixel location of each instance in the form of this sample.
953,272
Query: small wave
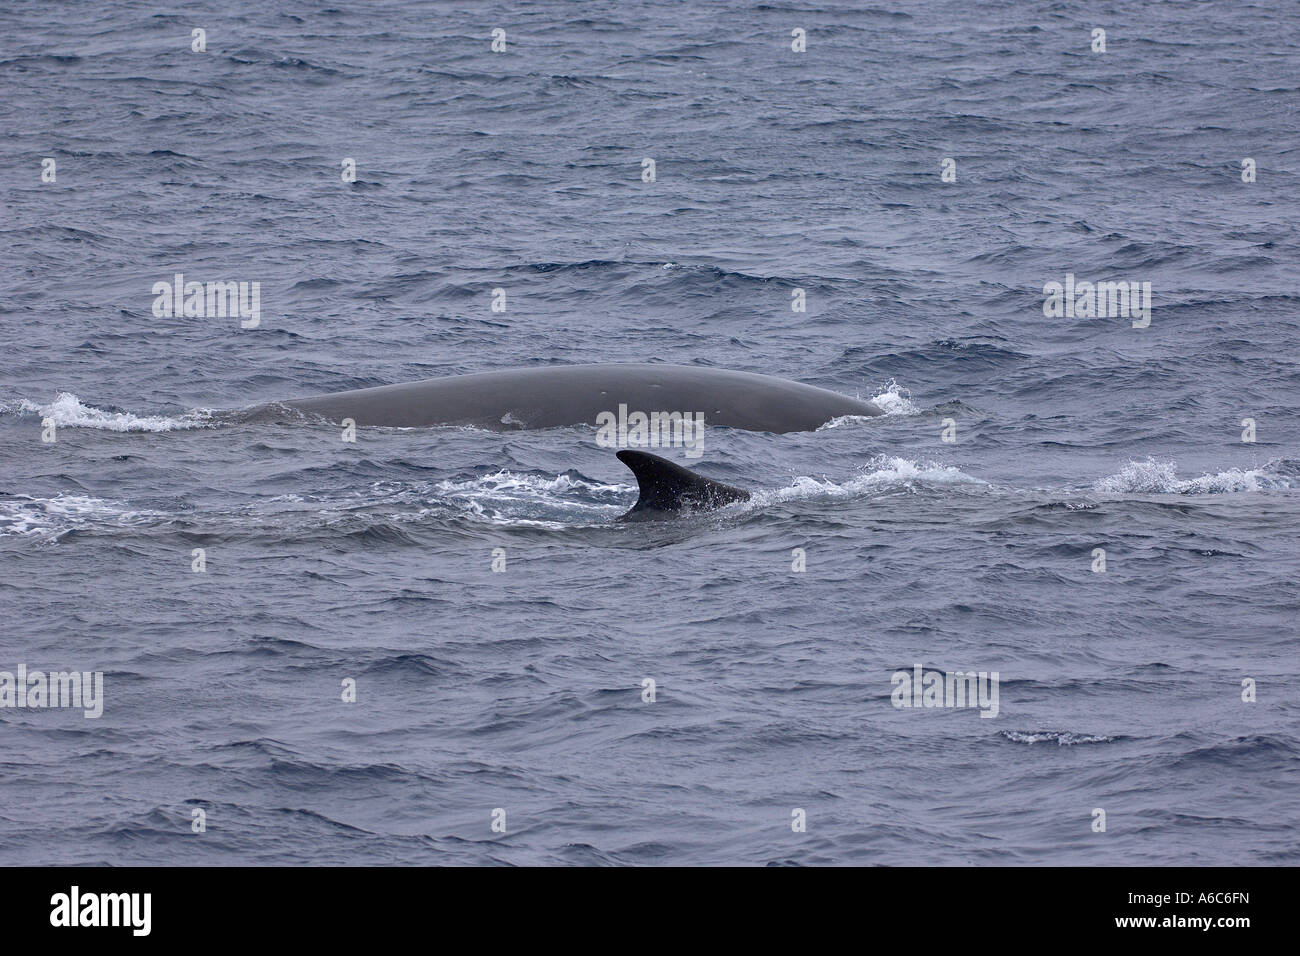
1161,477
1062,738
893,399
882,473
67,411
44,517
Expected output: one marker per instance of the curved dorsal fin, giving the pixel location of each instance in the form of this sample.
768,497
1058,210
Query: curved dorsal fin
667,488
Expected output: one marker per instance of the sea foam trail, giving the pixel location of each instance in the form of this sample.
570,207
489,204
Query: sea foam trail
511,497
518,499
882,473
511,484
570,500
1161,477
1060,738
68,411
25,515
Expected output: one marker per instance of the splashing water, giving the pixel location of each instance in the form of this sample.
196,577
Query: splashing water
68,411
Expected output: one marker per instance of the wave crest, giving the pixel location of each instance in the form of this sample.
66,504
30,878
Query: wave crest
68,411
893,399
1062,738
26,515
1161,477
881,473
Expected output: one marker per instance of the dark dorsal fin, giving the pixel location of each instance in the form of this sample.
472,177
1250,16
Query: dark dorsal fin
667,488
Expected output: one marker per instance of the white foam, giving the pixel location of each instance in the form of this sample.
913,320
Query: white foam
505,497
881,473
844,420
42,517
1161,477
893,399
509,483
67,411
1062,738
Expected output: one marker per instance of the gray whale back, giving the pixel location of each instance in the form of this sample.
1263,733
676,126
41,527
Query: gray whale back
557,395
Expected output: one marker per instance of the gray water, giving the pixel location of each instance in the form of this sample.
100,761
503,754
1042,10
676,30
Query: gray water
523,689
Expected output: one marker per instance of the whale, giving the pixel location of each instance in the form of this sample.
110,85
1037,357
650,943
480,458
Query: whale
554,396
667,490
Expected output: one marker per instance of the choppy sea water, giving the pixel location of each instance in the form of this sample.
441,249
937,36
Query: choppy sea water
522,690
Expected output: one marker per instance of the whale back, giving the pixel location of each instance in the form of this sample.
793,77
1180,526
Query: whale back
558,395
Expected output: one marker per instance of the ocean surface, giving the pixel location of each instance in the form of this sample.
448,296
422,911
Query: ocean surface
522,690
